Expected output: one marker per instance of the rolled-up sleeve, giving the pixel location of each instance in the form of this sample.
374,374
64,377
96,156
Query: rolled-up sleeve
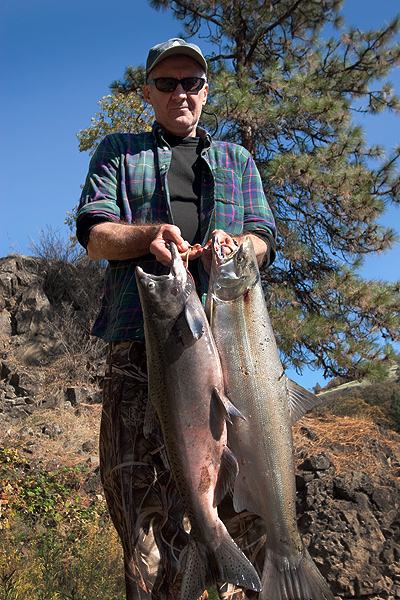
100,193
257,212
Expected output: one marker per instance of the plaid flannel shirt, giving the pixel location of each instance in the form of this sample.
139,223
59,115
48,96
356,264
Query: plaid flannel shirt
127,181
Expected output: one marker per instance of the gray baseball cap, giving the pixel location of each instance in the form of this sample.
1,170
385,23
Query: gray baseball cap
174,46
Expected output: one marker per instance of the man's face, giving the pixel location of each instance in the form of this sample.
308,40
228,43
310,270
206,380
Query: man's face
178,112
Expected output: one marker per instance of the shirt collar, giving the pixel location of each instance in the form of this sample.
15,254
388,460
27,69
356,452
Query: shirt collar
159,133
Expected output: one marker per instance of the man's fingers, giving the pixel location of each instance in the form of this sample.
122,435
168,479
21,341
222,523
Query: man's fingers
160,245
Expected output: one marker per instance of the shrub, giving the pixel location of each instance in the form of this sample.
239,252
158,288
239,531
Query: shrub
49,565
54,544
52,245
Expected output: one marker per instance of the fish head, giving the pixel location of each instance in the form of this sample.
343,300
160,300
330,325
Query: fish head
165,296
233,274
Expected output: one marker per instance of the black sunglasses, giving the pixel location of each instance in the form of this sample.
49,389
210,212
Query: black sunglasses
169,84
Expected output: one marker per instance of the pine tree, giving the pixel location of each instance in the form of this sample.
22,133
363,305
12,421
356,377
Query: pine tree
288,94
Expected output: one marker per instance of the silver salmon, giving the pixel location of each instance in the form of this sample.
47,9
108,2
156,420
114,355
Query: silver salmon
186,389
256,384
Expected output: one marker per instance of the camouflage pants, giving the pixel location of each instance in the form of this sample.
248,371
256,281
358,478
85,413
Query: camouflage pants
140,492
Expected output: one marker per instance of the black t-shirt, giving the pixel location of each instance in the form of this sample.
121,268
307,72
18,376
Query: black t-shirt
184,184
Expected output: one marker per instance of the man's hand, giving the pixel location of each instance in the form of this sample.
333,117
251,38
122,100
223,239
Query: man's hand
120,241
159,246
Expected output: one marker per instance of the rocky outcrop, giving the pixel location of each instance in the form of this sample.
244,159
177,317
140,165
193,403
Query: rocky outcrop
45,312
350,521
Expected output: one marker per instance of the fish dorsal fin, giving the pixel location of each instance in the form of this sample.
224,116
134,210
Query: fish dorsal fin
242,497
300,400
226,475
194,319
229,410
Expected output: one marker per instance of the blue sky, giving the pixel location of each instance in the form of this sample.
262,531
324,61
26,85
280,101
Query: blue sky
57,60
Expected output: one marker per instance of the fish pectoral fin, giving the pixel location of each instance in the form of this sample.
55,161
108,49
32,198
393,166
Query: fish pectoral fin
243,498
300,400
229,410
194,319
226,475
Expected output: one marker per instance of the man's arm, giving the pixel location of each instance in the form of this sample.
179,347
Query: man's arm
260,248
258,220
111,237
120,241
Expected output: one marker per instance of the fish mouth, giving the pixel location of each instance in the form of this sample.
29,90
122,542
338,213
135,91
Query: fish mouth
223,253
234,269
228,281
140,274
166,293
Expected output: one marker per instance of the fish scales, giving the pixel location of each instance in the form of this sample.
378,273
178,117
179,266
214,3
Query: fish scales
259,381
255,382
186,390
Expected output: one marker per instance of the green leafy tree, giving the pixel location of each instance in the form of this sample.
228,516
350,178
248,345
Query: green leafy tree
119,112
289,95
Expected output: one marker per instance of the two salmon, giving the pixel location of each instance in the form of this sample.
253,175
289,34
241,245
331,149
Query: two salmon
225,386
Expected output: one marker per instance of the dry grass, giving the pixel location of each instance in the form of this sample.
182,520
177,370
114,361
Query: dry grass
79,425
353,443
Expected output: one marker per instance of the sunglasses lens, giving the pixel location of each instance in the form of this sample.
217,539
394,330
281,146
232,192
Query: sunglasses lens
192,84
169,84
165,84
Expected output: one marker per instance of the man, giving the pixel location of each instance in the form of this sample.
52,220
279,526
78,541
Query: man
143,191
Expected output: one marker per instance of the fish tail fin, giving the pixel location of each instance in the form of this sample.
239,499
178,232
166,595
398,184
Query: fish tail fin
297,577
225,563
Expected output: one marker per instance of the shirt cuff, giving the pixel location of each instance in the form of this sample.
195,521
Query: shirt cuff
268,238
85,224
